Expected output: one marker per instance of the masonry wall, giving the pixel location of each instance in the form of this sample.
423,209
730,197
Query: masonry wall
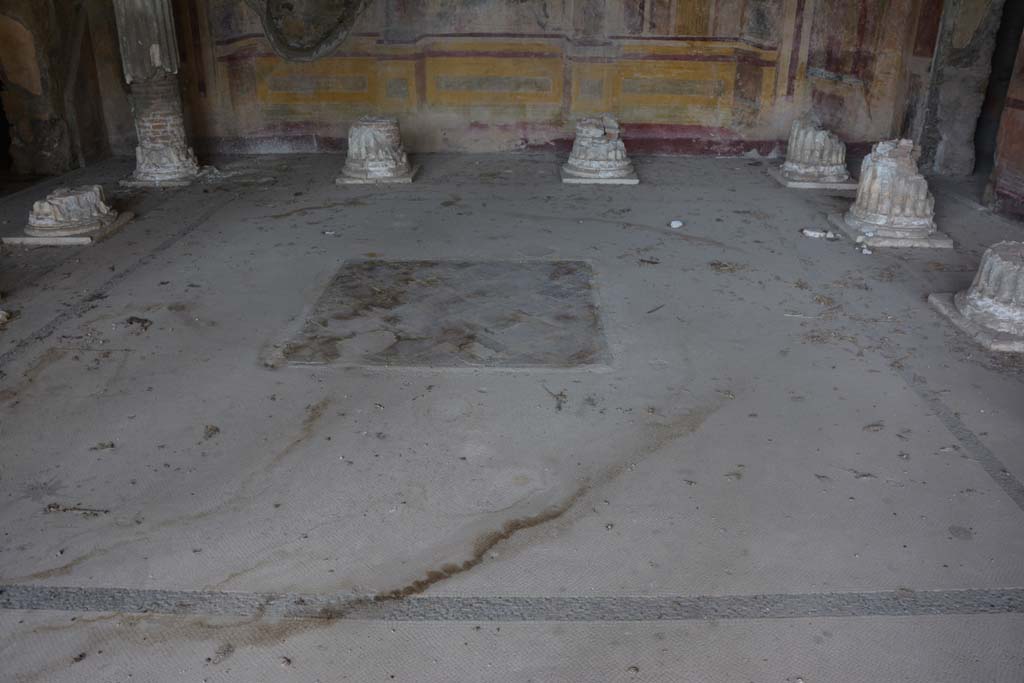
709,76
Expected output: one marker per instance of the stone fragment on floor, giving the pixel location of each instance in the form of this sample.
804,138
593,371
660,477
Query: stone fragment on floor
70,216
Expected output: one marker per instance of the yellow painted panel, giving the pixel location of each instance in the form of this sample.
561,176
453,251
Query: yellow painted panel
767,89
488,81
682,92
591,89
391,85
327,80
700,74
396,85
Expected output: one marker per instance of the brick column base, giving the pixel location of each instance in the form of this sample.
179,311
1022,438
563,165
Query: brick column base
163,157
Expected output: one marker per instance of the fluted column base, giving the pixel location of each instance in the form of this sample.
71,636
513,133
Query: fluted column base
375,154
598,154
991,310
951,306
70,217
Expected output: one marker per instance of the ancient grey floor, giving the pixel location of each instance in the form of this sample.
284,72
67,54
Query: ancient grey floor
779,465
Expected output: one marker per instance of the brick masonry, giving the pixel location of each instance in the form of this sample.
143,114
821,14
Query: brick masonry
159,118
163,154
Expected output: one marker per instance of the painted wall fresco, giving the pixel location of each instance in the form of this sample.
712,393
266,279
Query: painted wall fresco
1008,178
682,75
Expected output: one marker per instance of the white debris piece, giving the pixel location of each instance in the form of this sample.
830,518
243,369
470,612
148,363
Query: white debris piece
819,234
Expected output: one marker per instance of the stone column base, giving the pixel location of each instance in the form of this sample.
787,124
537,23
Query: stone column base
70,216
80,240
869,238
346,179
163,157
375,154
993,340
598,154
163,167
573,178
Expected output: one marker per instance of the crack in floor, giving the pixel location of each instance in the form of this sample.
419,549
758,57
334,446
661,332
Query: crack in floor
661,435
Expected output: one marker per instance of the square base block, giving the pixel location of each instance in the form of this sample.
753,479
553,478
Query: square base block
567,177
776,172
936,240
158,184
398,179
71,240
990,339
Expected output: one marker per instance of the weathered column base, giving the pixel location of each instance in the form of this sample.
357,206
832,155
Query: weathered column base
776,173
165,168
70,216
991,310
81,240
871,236
598,155
575,178
893,207
163,157
815,158
375,154
993,340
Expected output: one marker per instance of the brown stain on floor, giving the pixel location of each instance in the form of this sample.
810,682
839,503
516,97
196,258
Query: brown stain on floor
314,412
62,570
483,544
661,435
144,631
258,631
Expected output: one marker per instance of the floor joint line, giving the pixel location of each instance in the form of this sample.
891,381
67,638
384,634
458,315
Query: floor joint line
514,608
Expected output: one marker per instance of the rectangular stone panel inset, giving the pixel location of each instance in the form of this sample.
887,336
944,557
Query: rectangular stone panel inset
493,83
672,86
317,84
397,88
592,88
455,314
